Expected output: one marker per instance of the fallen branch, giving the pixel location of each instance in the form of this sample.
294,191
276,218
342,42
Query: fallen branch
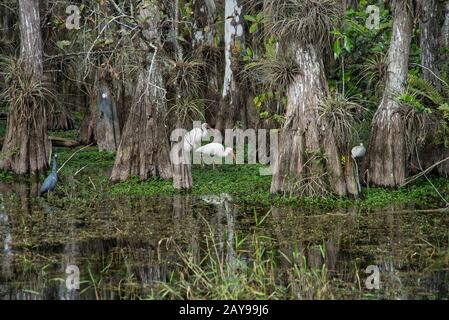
58,142
424,172
73,154
62,142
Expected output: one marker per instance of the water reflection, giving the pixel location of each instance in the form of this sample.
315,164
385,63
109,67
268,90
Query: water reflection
127,248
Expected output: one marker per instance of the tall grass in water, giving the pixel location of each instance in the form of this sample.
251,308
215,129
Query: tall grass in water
253,267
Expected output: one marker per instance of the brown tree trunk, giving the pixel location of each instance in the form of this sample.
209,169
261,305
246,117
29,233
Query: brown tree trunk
444,38
107,124
429,41
204,22
350,4
60,120
387,153
87,131
6,22
434,38
204,31
101,125
182,177
232,99
144,148
182,166
26,149
308,162
58,115
182,170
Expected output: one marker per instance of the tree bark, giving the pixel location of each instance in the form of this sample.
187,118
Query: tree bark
350,4
144,148
107,124
429,41
87,131
387,153
60,120
58,115
182,170
26,149
204,22
445,29
204,33
300,168
231,100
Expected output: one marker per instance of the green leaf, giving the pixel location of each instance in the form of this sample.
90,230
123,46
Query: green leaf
264,115
63,43
249,18
337,49
348,44
253,27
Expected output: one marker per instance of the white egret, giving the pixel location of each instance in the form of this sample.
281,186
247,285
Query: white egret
216,199
358,152
193,138
215,150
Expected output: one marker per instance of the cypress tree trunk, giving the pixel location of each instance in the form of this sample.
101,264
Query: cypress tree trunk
350,4
144,148
204,22
429,41
309,160
107,122
26,148
444,41
182,170
387,152
231,100
204,31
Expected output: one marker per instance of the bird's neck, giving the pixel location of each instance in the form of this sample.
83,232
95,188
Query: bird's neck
55,166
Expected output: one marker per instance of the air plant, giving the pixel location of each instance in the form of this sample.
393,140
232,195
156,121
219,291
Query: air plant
273,73
340,114
23,93
185,76
374,71
186,109
306,21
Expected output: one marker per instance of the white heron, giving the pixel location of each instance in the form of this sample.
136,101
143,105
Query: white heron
193,138
358,152
215,150
216,199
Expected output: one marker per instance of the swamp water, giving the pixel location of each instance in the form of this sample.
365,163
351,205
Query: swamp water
184,246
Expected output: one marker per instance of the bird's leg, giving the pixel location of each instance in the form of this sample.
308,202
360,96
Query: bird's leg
359,187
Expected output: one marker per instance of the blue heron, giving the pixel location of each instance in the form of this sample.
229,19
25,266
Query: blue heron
51,181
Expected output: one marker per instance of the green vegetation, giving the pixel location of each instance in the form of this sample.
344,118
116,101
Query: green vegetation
242,182
256,270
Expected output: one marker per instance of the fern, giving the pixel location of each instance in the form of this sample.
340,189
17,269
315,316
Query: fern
422,88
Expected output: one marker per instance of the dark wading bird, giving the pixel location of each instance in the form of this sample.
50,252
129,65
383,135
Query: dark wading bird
51,181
